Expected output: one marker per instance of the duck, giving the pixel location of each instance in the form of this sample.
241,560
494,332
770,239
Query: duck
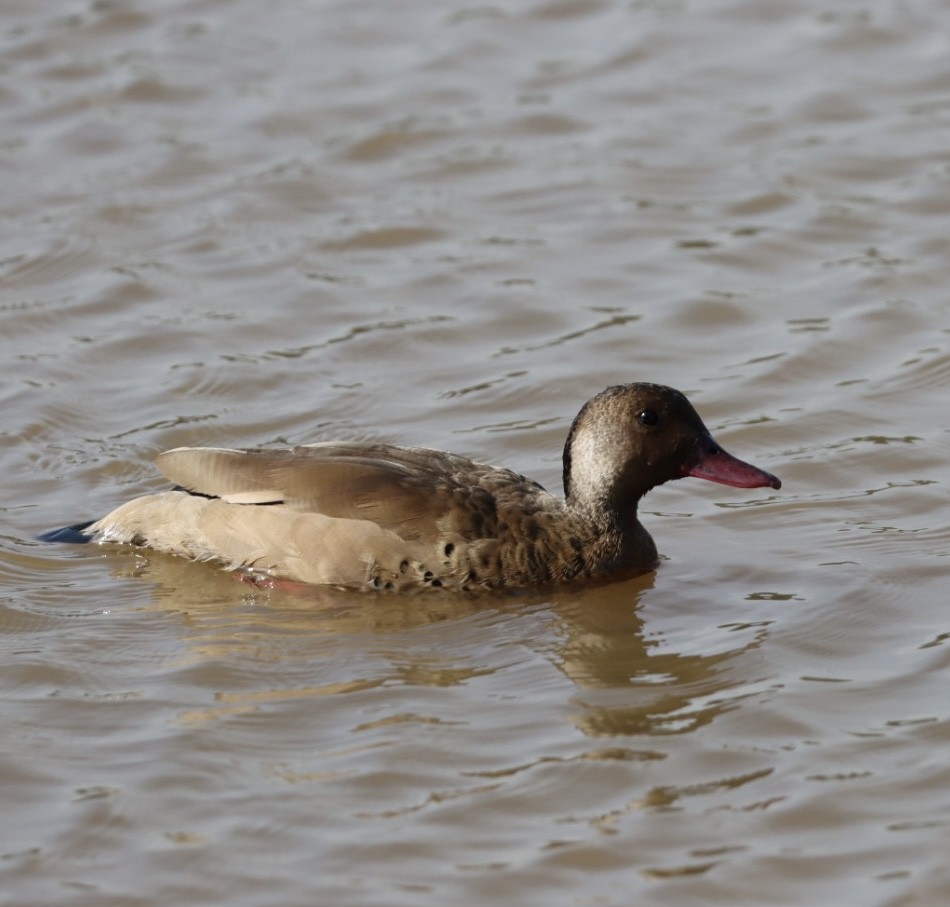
376,516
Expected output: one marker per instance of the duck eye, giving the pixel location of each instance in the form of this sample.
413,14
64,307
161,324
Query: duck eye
648,417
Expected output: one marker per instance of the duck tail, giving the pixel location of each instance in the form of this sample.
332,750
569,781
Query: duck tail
73,535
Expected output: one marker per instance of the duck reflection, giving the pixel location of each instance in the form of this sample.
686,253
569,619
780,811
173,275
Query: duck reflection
628,682
624,680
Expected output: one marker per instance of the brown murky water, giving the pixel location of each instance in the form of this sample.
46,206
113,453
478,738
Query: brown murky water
449,224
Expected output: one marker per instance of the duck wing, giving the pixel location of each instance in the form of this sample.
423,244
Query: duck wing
416,492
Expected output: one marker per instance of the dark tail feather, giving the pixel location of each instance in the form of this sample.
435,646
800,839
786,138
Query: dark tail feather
74,535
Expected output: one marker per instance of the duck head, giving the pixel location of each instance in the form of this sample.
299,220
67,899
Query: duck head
633,437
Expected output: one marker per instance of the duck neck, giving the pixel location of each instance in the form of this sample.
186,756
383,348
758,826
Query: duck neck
605,501
619,541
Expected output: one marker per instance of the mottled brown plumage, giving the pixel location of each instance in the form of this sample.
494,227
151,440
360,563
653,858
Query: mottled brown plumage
385,517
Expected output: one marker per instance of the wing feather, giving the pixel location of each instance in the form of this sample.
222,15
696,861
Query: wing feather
407,490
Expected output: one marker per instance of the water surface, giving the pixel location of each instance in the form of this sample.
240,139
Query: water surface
450,224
